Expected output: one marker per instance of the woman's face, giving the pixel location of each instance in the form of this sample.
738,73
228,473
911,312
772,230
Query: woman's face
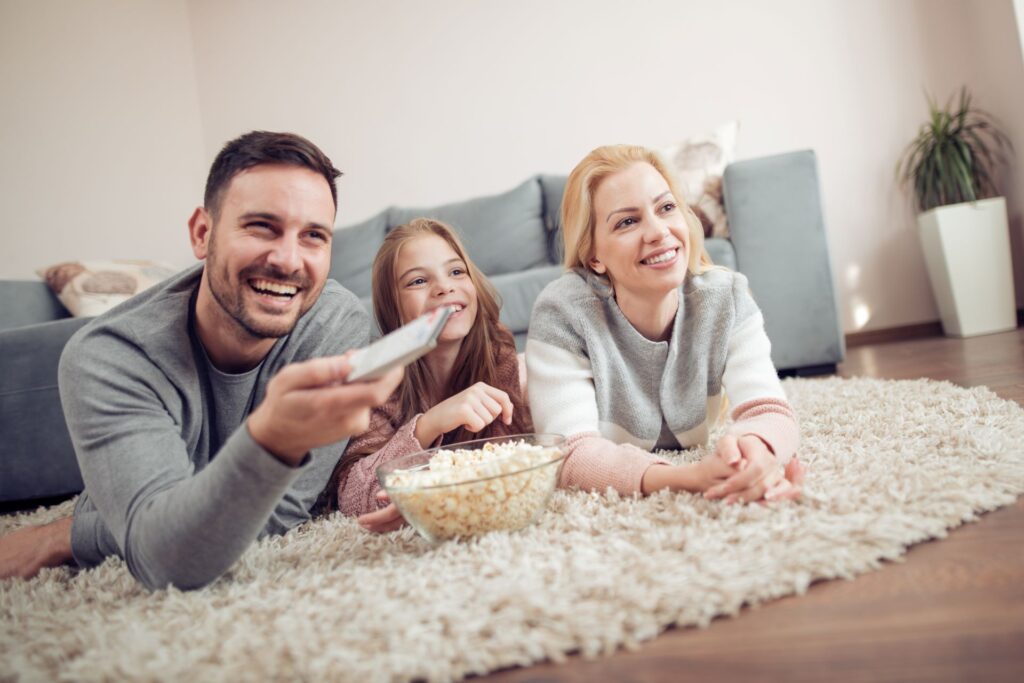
431,275
641,239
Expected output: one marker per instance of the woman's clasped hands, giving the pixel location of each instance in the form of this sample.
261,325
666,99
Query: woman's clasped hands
740,470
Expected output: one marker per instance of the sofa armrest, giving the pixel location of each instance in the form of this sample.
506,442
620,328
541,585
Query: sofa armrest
778,232
28,302
38,460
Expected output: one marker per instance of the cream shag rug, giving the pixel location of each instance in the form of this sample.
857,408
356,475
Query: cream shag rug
890,464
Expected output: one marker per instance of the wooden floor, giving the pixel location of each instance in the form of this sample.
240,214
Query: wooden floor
953,611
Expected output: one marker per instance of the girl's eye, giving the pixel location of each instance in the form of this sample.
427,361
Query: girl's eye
625,222
415,282
458,271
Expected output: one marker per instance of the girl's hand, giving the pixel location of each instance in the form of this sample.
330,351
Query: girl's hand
760,476
474,408
383,520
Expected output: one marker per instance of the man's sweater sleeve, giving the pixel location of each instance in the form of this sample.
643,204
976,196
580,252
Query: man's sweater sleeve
563,400
171,525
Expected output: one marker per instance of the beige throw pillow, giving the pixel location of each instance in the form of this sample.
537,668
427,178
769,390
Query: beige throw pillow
88,288
699,162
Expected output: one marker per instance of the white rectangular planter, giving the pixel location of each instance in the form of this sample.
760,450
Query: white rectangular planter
967,252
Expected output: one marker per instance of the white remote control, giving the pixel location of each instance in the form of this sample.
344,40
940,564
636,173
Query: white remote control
400,347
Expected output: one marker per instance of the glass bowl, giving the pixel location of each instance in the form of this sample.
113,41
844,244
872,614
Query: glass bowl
470,488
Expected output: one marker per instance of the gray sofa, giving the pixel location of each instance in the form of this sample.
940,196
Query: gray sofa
777,240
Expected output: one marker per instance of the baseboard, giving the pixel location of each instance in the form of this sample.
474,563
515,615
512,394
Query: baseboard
905,333
894,334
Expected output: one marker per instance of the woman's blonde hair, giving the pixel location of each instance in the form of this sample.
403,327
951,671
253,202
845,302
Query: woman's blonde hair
578,203
478,357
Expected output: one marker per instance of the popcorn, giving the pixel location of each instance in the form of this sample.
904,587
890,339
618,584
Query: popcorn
467,492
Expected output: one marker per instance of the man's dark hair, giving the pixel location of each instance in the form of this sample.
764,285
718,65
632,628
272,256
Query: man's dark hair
262,147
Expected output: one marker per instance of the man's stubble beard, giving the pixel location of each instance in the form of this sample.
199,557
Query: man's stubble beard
232,300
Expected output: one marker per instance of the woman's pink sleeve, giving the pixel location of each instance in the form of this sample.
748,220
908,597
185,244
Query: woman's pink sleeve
594,463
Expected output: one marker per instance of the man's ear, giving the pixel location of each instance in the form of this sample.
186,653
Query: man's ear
200,228
597,266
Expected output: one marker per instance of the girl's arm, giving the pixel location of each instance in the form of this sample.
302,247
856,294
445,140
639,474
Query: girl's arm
358,488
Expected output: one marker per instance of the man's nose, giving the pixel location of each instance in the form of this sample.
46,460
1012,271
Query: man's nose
285,255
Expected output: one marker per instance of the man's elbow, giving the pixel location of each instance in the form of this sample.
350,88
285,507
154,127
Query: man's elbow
160,573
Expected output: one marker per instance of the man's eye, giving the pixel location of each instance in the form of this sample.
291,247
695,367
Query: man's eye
259,224
317,235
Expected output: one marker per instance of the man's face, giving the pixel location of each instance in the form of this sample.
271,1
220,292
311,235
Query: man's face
269,250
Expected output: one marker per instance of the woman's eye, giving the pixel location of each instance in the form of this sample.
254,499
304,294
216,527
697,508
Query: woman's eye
458,271
669,207
625,222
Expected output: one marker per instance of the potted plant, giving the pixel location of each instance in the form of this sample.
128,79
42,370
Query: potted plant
951,165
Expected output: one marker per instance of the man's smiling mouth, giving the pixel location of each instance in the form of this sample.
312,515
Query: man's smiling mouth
270,288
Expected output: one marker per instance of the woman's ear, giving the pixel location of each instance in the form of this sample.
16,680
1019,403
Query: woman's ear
597,266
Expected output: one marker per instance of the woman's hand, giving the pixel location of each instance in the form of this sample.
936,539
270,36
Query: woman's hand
383,520
760,476
473,408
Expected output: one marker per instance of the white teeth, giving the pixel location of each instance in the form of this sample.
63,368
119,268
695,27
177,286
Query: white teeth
274,287
661,258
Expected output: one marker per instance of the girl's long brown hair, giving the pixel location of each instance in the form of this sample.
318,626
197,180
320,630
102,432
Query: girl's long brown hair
487,343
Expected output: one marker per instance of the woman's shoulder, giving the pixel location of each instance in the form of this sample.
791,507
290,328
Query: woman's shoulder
716,278
572,285
721,288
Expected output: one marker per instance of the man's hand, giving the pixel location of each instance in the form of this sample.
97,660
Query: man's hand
474,408
308,406
25,551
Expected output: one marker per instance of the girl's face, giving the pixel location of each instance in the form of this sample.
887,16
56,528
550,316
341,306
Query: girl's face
431,275
641,240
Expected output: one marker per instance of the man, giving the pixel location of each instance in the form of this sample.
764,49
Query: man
210,410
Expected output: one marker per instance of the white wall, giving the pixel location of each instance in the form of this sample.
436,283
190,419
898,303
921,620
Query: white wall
100,131
421,103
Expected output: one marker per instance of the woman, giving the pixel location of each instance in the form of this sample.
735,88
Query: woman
639,345
458,391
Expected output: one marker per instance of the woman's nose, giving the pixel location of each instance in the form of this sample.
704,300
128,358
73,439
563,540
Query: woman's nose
656,230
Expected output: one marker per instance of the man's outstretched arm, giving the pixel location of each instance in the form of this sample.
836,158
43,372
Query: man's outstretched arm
171,525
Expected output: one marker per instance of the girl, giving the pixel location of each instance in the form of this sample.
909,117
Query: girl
456,392
639,345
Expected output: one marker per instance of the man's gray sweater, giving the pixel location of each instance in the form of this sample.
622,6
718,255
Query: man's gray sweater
174,483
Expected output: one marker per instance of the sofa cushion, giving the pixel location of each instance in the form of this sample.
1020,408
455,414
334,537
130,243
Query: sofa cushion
503,233
38,459
352,251
518,291
721,252
552,188
28,302
89,288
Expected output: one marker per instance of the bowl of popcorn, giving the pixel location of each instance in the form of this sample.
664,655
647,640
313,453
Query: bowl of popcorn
470,488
